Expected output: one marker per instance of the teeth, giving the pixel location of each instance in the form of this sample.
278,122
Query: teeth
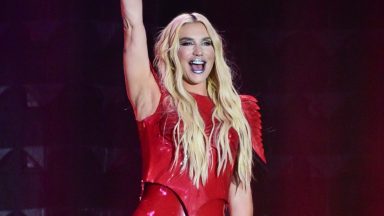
197,66
197,61
197,71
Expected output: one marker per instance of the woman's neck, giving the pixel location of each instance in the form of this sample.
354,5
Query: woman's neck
200,89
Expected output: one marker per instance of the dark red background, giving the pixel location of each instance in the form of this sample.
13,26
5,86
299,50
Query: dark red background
68,142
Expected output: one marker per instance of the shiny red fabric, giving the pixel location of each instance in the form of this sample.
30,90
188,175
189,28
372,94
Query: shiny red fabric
252,114
159,200
157,153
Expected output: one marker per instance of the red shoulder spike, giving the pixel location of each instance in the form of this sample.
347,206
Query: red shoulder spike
252,114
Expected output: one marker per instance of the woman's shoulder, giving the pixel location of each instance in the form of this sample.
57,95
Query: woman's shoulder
250,107
251,111
249,102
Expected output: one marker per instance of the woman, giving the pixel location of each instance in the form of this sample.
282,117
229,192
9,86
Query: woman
196,132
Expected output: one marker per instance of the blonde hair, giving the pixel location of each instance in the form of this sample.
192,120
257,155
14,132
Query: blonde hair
188,133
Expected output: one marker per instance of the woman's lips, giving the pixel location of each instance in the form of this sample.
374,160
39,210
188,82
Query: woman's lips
197,66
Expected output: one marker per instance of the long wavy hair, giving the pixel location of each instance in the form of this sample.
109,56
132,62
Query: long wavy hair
191,141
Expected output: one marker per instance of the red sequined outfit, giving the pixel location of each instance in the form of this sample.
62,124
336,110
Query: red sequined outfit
170,193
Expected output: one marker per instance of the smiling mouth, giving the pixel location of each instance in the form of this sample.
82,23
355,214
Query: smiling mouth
197,66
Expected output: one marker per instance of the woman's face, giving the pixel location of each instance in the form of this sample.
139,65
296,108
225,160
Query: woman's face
196,55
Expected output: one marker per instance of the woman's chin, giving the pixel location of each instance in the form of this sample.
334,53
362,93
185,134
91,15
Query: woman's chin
193,80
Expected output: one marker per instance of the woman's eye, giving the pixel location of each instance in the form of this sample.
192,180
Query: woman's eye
186,43
207,43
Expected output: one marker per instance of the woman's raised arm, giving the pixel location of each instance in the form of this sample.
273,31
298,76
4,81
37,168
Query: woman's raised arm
142,89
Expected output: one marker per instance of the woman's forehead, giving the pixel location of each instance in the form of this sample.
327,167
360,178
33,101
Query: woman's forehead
194,30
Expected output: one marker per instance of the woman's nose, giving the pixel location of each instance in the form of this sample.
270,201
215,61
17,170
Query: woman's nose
197,51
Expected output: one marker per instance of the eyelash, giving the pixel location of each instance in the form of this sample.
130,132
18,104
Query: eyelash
186,43
207,43
189,43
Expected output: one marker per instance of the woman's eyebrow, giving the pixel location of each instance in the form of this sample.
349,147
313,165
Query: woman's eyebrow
185,38
188,38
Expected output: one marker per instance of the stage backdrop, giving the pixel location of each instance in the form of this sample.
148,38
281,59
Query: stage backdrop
68,139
